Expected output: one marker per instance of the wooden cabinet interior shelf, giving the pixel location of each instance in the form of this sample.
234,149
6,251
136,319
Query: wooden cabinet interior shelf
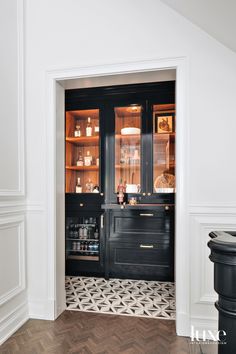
83,168
83,140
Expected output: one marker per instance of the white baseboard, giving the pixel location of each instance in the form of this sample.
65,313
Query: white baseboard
42,309
182,324
13,321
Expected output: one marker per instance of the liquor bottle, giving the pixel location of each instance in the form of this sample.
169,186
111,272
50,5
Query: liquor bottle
96,233
86,232
88,159
89,186
120,193
77,132
89,128
80,161
78,188
96,128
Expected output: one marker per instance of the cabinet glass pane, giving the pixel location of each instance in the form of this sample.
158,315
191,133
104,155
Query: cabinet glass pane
164,148
128,147
82,151
82,238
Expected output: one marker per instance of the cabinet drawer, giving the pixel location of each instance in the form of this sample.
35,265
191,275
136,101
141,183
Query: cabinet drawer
135,225
141,260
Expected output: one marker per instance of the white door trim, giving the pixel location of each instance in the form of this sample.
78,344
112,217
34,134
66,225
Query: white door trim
182,262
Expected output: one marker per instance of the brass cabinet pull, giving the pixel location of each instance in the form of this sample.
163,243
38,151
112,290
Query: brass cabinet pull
146,246
167,207
149,194
101,194
146,214
81,205
144,193
102,221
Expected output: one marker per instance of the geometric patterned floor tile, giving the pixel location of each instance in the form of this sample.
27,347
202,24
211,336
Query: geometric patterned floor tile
141,298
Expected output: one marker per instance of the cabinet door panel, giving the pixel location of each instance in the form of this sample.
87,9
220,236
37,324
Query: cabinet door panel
132,261
163,180
128,125
141,225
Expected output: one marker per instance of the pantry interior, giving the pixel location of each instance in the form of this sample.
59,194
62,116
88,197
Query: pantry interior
120,181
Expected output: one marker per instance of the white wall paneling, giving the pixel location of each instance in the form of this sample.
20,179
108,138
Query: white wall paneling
12,254
13,295
203,312
13,275
13,320
12,99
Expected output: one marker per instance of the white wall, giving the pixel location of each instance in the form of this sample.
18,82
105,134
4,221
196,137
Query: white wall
68,33
13,296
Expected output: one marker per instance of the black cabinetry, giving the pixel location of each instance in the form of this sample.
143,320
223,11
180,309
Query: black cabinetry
140,244
120,133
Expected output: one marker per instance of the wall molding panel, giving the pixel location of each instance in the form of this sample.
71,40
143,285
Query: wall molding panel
203,312
15,224
13,286
13,321
20,190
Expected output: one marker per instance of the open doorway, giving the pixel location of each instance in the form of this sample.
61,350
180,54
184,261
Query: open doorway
181,277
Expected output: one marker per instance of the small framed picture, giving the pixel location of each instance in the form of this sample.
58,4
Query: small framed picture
164,123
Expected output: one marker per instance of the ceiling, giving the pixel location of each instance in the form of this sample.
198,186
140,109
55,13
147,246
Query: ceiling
216,17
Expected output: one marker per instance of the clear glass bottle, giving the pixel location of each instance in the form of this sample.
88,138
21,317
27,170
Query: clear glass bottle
120,193
89,186
80,161
89,127
78,188
96,128
88,159
77,132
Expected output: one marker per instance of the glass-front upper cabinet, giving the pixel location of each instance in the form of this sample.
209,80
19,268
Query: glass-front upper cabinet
128,147
82,152
163,148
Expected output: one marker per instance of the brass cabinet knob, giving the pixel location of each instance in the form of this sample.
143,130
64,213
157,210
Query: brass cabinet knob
149,194
101,194
144,193
81,205
167,207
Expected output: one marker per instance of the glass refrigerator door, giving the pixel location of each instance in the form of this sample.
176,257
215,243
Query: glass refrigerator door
164,148
128,147
82,151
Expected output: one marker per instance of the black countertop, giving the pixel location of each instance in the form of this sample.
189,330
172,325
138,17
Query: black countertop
133,207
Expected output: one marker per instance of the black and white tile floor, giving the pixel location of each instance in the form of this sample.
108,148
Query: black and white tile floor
140,298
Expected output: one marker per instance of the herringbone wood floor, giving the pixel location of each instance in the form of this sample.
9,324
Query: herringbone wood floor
88,333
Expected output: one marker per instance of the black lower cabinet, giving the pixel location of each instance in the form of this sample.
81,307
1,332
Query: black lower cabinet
140,244
140,261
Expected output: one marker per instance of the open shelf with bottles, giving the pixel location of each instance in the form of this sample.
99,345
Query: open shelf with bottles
82,151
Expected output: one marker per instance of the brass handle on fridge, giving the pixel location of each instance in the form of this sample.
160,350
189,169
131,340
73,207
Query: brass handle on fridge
102,222
146,214
146,246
